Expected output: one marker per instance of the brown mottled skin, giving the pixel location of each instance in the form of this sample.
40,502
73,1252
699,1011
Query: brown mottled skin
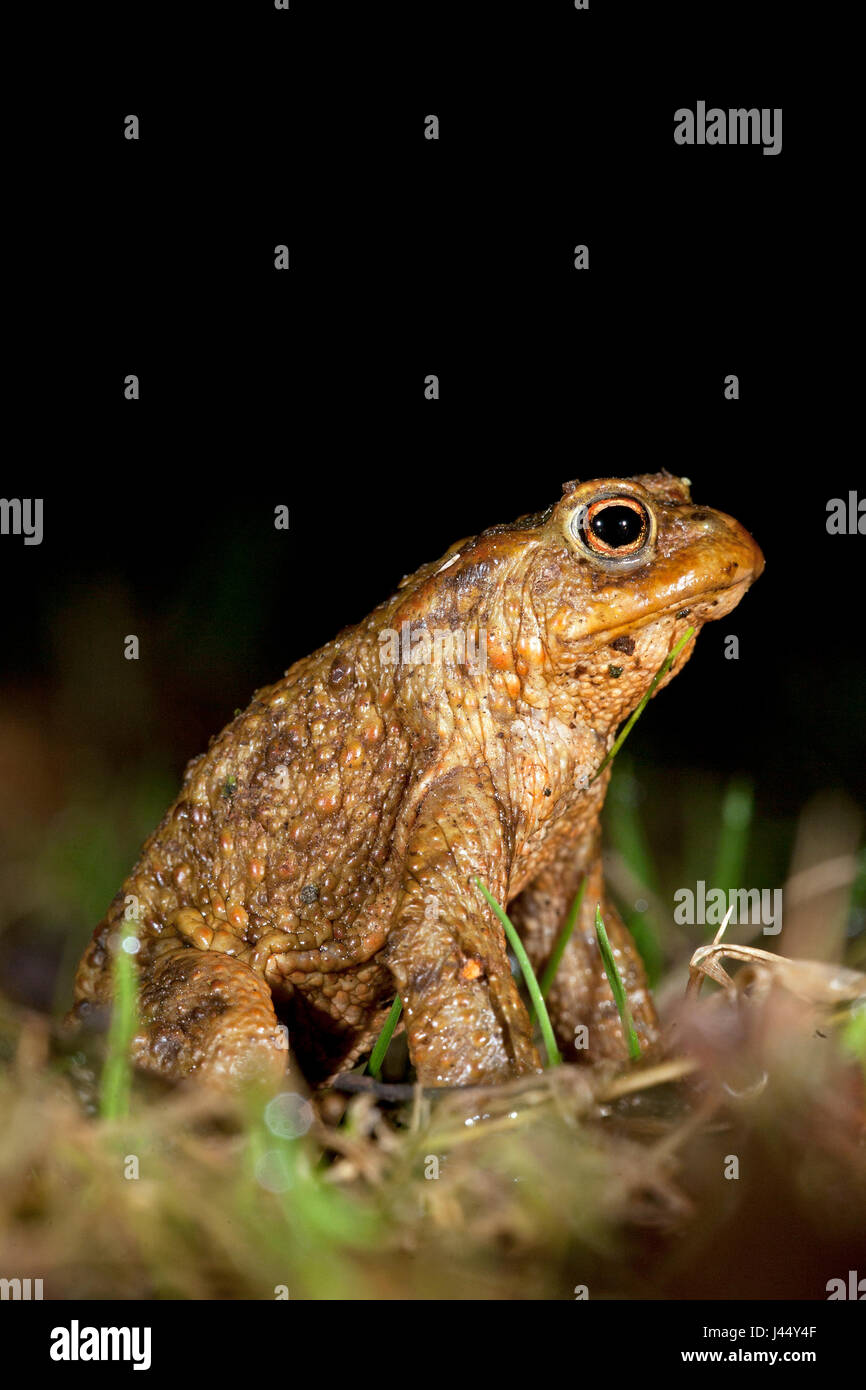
321,855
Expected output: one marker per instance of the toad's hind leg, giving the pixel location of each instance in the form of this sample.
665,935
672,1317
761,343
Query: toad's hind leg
580,1002
206,1013
201,1013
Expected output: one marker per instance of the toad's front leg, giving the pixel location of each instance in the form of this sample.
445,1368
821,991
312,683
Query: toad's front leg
465,1020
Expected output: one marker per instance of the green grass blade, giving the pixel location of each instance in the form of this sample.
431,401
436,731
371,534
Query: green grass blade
854,1036
562,941
627,834
116,1081
659,676
737,806
617,986
553,1055
383,1041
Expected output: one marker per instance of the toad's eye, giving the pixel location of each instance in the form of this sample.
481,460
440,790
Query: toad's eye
615,526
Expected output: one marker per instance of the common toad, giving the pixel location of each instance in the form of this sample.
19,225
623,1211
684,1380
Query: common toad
322,854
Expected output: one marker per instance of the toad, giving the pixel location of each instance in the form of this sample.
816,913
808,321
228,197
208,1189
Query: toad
322,855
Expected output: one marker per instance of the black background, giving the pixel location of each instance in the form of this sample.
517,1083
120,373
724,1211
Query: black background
411,257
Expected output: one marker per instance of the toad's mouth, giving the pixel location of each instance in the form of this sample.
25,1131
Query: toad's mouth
689,608
704,607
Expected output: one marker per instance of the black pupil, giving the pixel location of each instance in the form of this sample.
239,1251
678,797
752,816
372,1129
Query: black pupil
617,526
